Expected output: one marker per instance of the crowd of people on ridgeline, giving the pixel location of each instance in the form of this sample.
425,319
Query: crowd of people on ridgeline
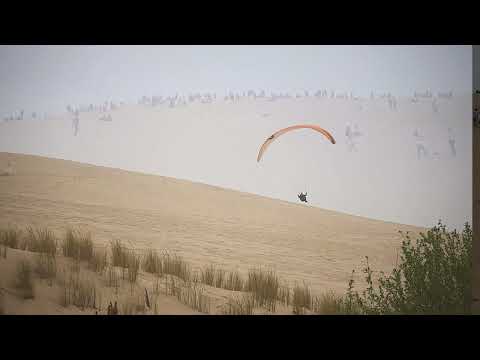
352,131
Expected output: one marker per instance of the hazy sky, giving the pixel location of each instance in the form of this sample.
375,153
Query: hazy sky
47,78
383,180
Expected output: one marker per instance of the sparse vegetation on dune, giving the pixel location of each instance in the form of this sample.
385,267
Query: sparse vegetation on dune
2,304
133,267
133,305
23,281
192,295
46,266
112,278
301,299
239,305
207,275
11,237
41,240
219,278
284,296
264,285
78,245
234,282
175,265
433,277
119,254
328,303
152,263
78,291
98,261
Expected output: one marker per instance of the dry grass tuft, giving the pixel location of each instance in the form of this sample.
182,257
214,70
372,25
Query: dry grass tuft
328,304
234,282
24,280
119,254
207,275
243,305
2,304
77,245
219,278
284,295
78,291
46,266
133,305
192,295
302,299
264,285
98,261
112,278
11,237
152,263
175,265
41,240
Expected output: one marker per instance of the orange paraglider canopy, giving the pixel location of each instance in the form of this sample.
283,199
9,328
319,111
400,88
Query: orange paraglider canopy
288,129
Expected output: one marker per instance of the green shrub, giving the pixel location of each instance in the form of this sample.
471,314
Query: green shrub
433,277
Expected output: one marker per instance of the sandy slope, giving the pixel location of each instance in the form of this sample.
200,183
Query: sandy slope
204,224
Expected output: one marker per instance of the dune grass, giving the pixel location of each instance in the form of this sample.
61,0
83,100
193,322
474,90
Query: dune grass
119,254
207,275
264,285
284,295
112,278
78,291
234,282
23,281
301,299
2,304
242,305
133,305
98,261
46,266
11,237
133,267
328,303
152,263
175,265
219,278
41,240
192,295
77,245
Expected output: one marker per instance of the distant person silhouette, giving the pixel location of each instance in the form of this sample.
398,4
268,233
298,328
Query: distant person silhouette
451,141
435,106
75,122
421,150
351,135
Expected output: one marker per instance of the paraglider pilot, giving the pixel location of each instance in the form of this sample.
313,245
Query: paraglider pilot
303,197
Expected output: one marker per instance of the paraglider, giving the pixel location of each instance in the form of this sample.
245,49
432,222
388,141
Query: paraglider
274,136
303,197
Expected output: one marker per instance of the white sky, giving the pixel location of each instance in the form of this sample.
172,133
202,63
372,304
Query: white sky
47,78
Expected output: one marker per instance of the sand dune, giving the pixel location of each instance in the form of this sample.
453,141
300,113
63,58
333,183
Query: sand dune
204,224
